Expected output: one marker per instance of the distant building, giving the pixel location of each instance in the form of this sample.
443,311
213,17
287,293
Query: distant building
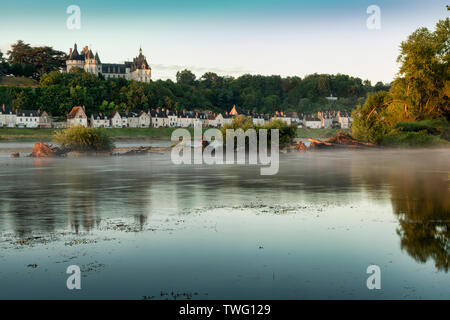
326,118
45,120
100,121
77,117
116,120
27,119
7,117
258,119
344,119
137,70
312,122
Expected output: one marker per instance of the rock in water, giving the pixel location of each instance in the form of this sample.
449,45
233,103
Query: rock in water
15,155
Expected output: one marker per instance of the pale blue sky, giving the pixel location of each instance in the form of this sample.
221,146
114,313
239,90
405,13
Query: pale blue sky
232,37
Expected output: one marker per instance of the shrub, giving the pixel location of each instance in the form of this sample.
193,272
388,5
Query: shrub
412,139
287,132
84,139
434,127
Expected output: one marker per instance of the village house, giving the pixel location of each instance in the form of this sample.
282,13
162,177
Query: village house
227,118
344,119
283,117
172,118
7,117
116,120
326,118
159,119
211,120
99,121
258,119
144,119
138,119
45,120
312,122
27,119
77,117
219,121
133,119
200,120
186,119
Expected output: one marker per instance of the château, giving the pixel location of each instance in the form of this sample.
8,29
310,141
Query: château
137,70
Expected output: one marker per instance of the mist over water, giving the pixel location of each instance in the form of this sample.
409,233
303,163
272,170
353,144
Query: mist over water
142,226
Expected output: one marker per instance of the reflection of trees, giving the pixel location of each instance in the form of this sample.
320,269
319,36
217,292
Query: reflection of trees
422,203
420,198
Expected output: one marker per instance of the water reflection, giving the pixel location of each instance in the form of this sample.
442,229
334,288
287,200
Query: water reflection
76,194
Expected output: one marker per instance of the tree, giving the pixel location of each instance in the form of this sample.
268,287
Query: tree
19,102
185,77
424,59
4,67
43,59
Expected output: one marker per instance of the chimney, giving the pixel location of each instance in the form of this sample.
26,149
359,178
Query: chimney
70,52
3,107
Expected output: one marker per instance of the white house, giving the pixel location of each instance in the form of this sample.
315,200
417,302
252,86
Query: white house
77,117
344,119
144,119
258,119
312,122
186,120
173,118
326,118
133,120
116,120
227,118
159,119
27,119
100,121
7,117
45,120
219,120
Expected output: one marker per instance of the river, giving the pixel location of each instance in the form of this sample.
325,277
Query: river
142,227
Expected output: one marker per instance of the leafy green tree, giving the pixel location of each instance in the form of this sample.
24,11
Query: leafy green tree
44,59
185,77
424,59
20,101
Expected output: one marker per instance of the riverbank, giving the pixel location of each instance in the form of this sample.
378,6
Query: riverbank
45,135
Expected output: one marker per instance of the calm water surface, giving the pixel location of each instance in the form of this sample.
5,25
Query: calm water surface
141,226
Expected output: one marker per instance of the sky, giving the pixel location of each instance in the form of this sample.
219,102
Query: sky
229,37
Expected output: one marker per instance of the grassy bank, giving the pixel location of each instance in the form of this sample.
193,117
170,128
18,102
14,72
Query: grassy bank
22,134
41,134
18,82
26,134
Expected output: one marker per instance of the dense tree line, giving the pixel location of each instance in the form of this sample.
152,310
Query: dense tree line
59,92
